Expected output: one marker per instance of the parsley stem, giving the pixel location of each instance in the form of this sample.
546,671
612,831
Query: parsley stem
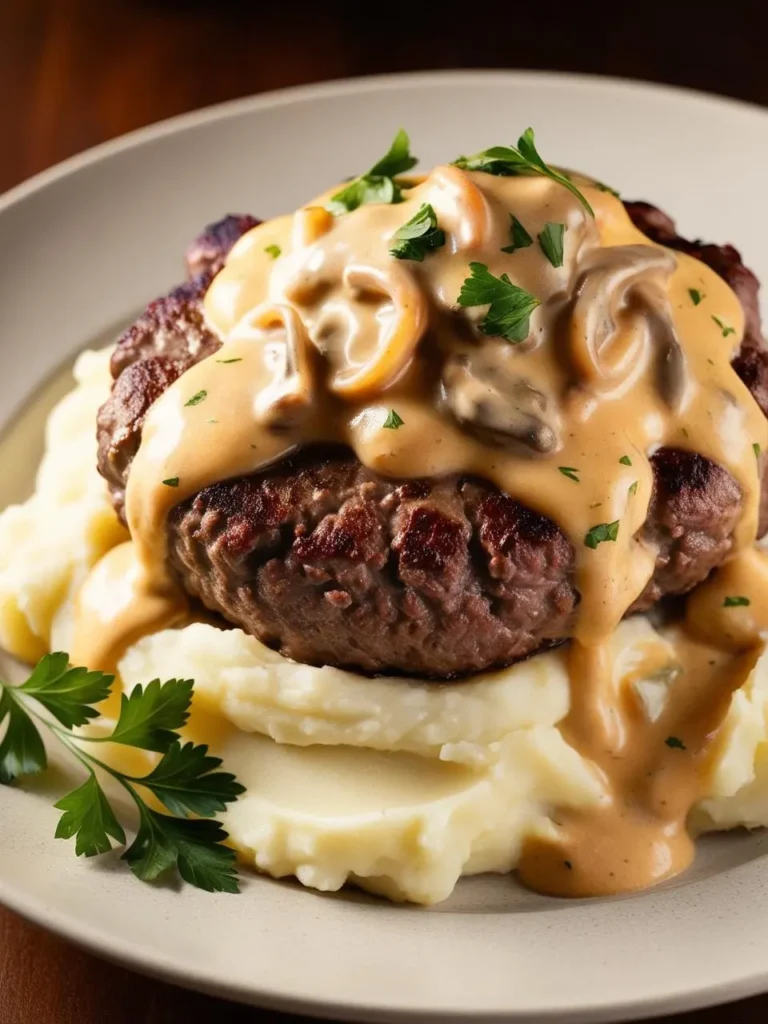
65,738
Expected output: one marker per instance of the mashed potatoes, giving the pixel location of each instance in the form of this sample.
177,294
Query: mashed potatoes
399,787
48,544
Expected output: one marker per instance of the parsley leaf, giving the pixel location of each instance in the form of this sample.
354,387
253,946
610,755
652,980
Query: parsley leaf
602,187
172,481
418,236
696,296
524,158
67,692
197,398
602,532
674,743
633,488
756,449
21,751
570,472
186,781
509,309
398,158
551,240
273,250
362,191
520,239
393,421
736,602
88,816
193,847
226,362
725,328
625,460
148,716
378,184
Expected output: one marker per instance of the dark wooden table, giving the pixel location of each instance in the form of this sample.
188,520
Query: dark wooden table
76,72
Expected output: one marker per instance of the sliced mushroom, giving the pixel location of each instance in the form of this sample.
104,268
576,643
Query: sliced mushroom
289,355
606,337
485,395
396,345
672,374
462,209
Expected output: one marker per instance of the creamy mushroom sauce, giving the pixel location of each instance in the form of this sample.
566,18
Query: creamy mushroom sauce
320,343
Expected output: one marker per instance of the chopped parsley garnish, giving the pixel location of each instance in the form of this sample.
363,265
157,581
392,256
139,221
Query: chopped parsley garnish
418,236
756,449
184,779
172,481
601,533
633,488
197,398
524,158
273,250
696,295
397,159
226,362
377,185
551,241
510,307
602,187
736,602
625,460
393,421
724,327
519,237
570,472
674,743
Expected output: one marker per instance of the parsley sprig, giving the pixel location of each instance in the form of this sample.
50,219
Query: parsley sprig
418,236
185,779
524,158
377,185
509,307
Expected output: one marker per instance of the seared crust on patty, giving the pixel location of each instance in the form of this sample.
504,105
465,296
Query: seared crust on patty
166,340
331,564
208,252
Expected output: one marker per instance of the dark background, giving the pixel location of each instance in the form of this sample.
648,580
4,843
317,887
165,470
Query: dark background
76,72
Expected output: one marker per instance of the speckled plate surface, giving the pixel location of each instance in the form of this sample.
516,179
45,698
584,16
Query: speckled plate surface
90,242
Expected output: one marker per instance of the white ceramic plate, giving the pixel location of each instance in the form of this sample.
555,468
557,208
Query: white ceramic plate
84,247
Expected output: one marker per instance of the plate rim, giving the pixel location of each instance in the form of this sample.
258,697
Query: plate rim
339,86
88,938
111,946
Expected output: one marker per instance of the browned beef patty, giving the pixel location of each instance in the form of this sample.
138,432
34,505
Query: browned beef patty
331,564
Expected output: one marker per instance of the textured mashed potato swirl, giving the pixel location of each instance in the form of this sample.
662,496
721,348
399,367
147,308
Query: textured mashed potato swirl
400,788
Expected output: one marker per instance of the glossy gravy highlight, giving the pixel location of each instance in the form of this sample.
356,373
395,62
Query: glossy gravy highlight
322,342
